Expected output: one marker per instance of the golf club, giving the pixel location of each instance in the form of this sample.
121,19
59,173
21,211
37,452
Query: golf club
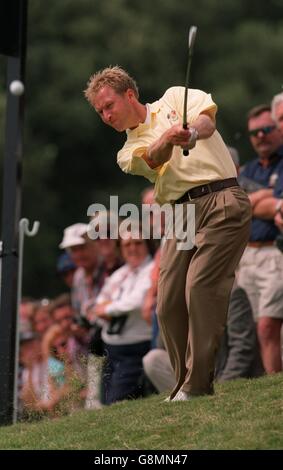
191,41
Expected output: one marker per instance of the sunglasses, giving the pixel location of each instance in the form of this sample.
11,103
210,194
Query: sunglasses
265,130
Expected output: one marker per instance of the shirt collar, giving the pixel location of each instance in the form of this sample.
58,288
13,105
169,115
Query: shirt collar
148,115
151,110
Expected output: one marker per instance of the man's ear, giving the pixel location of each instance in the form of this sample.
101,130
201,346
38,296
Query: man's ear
130,94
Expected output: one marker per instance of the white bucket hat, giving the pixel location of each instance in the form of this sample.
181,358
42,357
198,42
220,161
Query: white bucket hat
74,235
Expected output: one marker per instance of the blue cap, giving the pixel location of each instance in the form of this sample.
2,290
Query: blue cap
65,263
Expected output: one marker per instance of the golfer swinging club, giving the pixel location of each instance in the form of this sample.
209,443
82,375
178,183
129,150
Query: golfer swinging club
195,284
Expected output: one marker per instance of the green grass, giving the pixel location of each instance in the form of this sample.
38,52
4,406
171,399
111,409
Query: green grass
243,414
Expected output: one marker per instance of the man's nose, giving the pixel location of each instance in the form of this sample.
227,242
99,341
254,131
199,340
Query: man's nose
107,116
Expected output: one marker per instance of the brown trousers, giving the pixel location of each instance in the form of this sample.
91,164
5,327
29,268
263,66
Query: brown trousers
195,285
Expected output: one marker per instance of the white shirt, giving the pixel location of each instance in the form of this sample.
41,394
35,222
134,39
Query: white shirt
125,289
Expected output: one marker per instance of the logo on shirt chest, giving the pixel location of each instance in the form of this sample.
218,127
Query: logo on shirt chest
172,116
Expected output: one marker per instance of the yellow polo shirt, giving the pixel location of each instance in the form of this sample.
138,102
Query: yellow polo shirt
208,161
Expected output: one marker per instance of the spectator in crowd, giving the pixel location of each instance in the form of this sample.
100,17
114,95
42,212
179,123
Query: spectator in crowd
27,354
107,242
158,368
238,355
64,385
125,334
66,269
105,224
50,383
277,111
26,314
261,267
87,280
41,319
78,338
33,377
277,114
150,301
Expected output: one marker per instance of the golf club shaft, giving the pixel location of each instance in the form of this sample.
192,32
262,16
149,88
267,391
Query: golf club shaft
192,36
185,122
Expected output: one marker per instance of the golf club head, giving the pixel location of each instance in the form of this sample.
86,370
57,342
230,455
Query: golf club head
192,37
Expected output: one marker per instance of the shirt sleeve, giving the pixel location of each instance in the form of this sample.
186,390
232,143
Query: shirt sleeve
198,102
130,160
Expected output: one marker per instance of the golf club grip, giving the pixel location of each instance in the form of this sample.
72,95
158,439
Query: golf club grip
185,151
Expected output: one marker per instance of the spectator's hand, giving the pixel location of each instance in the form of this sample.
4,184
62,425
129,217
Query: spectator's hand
100,311
90,315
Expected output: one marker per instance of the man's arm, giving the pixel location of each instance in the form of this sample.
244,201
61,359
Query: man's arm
264,205
266,209
259,196
161,150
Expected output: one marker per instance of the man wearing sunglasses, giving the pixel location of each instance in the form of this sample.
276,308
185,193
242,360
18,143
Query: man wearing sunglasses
261,267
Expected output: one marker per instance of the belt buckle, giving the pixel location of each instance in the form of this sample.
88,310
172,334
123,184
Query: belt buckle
209,188
206,189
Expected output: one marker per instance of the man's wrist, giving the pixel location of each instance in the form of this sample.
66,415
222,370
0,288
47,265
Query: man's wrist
194,135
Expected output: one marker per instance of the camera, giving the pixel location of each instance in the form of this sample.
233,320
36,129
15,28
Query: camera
117,324
83,322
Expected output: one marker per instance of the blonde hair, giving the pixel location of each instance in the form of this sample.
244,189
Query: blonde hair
114,77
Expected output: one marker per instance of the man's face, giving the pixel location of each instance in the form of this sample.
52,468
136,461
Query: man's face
114,109
279,117
41,321
134,251
84,256
64,316
267,138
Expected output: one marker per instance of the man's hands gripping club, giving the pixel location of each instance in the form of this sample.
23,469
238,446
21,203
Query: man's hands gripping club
161,150
184,138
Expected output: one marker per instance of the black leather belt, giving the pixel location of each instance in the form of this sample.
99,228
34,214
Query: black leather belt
204,189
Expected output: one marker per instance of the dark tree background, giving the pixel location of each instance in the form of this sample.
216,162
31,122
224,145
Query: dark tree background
69,155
